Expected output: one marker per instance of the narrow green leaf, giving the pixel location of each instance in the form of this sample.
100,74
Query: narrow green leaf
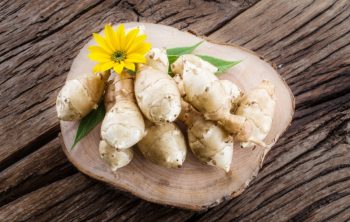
172,58
89,122
221,64
182,50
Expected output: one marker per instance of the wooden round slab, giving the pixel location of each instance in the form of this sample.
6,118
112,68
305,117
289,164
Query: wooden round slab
194,186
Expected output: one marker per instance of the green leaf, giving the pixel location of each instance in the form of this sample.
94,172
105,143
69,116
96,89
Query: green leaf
181,50
89,122
221,64
172,58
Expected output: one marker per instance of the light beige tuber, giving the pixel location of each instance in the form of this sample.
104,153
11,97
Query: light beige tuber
156,92
178,66
233,92
123,125
79,96
205,92
113,157
164,145
258,107
209,142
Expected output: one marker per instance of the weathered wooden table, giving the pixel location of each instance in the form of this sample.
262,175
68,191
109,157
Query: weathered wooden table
306,176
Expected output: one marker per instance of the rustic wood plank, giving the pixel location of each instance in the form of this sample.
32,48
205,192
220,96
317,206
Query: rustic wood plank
36,54
36,170
306,175
208,17
88,204
45,198
101,203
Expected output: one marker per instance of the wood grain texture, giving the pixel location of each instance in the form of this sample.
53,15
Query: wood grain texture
304,178
36,170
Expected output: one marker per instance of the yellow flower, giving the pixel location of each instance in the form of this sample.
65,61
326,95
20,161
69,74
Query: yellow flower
118,49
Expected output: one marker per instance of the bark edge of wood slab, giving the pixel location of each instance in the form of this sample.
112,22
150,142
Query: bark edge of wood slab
194,186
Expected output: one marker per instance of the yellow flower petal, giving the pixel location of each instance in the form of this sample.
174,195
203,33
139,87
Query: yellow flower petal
135,58
145,48
110,37
138,42
130,37
105,66
141,49
130,66
121,37
140,39
99,57
102,42
118,67
96,68
116,39
97,49
101,67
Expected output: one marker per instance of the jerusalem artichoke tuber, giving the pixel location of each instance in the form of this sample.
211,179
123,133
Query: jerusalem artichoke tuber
205,92
209,142
156,92
164,145
233,92
158,59
113,157
258,107
123,125
79,96
178,66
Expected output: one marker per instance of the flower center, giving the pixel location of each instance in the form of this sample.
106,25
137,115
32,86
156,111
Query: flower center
118,56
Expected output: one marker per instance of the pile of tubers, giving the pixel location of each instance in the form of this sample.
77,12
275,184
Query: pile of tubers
142,109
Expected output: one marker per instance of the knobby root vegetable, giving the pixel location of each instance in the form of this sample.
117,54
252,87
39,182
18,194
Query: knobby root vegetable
113,157
158,59
205,92
156,92
164,145
79,96
178,66
234,93
258,107
209,142
123,126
